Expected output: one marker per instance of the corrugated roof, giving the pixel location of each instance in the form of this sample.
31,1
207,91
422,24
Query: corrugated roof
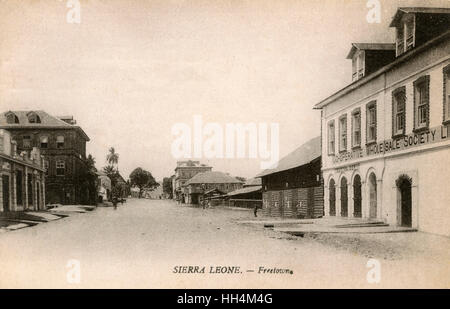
369,46
425,10
212,177
304,154
245,190
47,121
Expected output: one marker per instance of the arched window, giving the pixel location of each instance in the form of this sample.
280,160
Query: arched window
60,141
11,118
33,118
44,142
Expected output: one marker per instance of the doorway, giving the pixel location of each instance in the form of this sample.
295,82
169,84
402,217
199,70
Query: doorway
357,197
372,196
332,189
344,197
5,179
404,186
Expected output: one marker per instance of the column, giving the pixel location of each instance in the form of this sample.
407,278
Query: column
351,200
1,189
338,201
379,199
415,205
43,192
364,201
25,202
326,201
33,183
13,189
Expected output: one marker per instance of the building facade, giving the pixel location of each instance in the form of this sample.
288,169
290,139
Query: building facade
295,189
385,137
22,177
184,171
63,145
206,182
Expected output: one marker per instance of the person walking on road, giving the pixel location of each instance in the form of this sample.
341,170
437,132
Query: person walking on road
255,211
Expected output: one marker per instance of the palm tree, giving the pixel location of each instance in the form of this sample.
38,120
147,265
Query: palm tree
113,157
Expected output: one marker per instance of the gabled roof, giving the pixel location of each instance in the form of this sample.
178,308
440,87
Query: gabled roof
304,154
47,121
425,10
245,190
212,177
369,46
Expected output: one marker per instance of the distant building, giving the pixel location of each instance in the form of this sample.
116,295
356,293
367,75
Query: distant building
63,145
385,136
211,183
184,171
22,177
294,189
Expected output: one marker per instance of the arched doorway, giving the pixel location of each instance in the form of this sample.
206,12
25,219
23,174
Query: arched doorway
332,189
344,197
372,196
404,187
357,197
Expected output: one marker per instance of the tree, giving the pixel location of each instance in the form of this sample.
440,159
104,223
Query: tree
112,173
167,186
113,157
143,180
241,178
88,181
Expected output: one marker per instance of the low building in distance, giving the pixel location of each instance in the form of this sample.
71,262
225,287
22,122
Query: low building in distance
249,196
63,144
22,180
210,182
294,189
385,136
184,171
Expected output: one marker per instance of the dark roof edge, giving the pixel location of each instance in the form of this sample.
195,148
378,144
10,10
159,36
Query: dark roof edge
382,70
10,127
262,174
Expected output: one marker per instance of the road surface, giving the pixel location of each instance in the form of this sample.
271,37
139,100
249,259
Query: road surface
159,244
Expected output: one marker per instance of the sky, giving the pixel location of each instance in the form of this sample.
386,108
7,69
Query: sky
131,70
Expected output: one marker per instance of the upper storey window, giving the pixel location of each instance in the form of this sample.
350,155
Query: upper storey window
406,34
12,118
60,141
371,122
358,66
33,118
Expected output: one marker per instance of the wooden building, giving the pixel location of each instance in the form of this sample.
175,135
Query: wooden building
294,189
210,181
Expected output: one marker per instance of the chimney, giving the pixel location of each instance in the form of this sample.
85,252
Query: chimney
68,119
13,148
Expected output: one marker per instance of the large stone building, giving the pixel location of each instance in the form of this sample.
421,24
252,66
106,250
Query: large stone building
385,137
63,145
294,189
208,182
184,171
22,180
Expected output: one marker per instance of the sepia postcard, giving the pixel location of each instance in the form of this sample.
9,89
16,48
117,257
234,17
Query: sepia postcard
224,144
